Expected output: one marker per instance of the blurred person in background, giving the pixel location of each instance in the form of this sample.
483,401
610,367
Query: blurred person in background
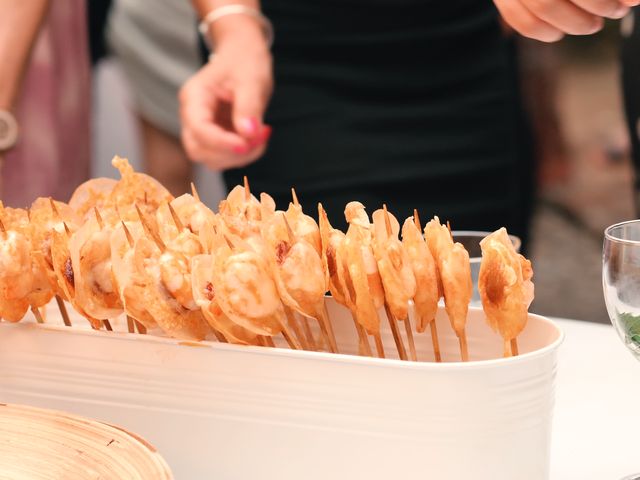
413,104
552,21
44,99
156,43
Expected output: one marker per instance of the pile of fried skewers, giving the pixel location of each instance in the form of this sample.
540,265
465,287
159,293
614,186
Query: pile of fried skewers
249,272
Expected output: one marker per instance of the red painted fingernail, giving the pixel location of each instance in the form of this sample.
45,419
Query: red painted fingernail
266,133
250,125
240,149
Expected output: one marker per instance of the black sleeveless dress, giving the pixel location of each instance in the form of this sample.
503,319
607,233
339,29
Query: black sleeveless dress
412,103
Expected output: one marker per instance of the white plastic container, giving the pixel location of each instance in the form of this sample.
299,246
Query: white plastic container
227,412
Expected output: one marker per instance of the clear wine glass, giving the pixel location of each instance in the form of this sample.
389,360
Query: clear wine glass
621,284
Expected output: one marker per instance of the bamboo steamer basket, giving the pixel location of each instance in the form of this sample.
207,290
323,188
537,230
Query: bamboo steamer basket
45,444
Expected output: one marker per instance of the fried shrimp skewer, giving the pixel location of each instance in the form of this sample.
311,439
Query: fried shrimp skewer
337,271
505,288
454,270
426,275
365,277
395,269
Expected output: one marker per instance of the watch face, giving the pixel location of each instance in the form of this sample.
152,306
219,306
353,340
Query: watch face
8,130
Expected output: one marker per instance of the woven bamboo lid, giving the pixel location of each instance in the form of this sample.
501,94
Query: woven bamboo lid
38,444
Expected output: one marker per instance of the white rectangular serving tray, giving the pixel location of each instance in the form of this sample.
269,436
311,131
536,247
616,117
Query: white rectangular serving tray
234,412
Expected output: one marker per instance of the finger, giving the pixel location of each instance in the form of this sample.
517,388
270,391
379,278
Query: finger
525,23
630,3
565,16
249,102
216,158
603,8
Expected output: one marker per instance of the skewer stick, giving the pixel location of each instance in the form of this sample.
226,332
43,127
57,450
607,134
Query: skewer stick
364,349
326,328
292,236
107,325
131,327
36,313
219,336
2,229
294,196
434,340
309,334
176,218
150,231
464,352
393,323
269,342
140,327
247,190
127,234
63,311
379,346
514,347
412,345
293,323
194,192
98,218
291,340
449,228
327,321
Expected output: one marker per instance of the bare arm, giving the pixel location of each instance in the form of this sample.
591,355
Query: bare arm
20,21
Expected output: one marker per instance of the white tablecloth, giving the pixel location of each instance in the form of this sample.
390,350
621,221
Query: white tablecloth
597,416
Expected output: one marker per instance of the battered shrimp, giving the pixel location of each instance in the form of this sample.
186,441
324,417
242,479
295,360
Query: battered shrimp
90,251
246,291
425,271
94,193
169,314
356,215
192,214
395,269
43,222
175,267
454,271
303,226
505,285
15,275
331,240
135,188
205,297
127,282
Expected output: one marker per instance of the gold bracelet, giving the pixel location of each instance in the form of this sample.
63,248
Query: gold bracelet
234,9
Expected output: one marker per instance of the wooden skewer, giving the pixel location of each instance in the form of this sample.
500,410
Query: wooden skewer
2,229
150,231
309,334
379,346
176,218
393,323
449,228
98,218
329,326
107,325
364,349
292,236
269,342
219,336
146,200
293,323
294,196
194,192
63,311
434,340
514,347
131,328
247,190
464,352
291,340
140,327
412,345
127,234
36,313
326,329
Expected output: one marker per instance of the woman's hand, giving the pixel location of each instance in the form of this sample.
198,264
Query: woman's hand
550,20
222,106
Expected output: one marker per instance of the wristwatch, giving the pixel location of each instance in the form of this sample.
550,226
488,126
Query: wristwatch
8,130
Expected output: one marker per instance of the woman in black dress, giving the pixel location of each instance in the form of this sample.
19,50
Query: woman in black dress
411,103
